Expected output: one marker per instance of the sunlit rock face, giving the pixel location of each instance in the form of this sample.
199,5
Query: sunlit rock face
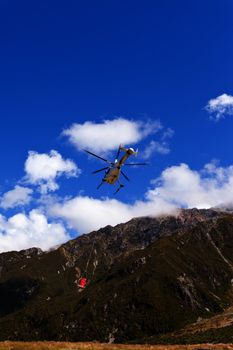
147,277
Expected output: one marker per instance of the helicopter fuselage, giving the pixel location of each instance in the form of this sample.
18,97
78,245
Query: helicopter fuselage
112,175
114,169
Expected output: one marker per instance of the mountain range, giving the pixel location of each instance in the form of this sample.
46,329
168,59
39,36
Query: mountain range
150,280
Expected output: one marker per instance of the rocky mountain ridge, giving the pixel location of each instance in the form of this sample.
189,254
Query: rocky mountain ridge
146,278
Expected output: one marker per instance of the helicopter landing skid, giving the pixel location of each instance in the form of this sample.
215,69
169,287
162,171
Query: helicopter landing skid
119,188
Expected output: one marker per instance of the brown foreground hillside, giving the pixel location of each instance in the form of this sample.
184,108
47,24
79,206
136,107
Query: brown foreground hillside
97,346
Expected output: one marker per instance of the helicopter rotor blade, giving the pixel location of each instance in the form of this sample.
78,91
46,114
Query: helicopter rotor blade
126,177
118,152
136,164
102,182
95,155
97,171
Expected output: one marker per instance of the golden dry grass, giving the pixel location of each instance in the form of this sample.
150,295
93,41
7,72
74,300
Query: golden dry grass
218,321
7,345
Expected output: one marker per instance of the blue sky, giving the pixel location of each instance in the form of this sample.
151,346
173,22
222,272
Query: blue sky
96,63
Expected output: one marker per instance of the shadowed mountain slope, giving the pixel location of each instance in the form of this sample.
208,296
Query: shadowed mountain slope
147,278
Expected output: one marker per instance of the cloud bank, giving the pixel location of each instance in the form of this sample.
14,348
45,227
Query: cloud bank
86,214
178,186
43,169
220,106
106,136
209,187
33,230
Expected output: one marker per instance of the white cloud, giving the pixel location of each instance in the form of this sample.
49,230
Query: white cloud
168,133
155,147
42,169
22,232
86,214
16,197
106,136
161,146
209,187
220,106
178,186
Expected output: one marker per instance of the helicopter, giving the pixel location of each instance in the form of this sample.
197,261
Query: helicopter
114,169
